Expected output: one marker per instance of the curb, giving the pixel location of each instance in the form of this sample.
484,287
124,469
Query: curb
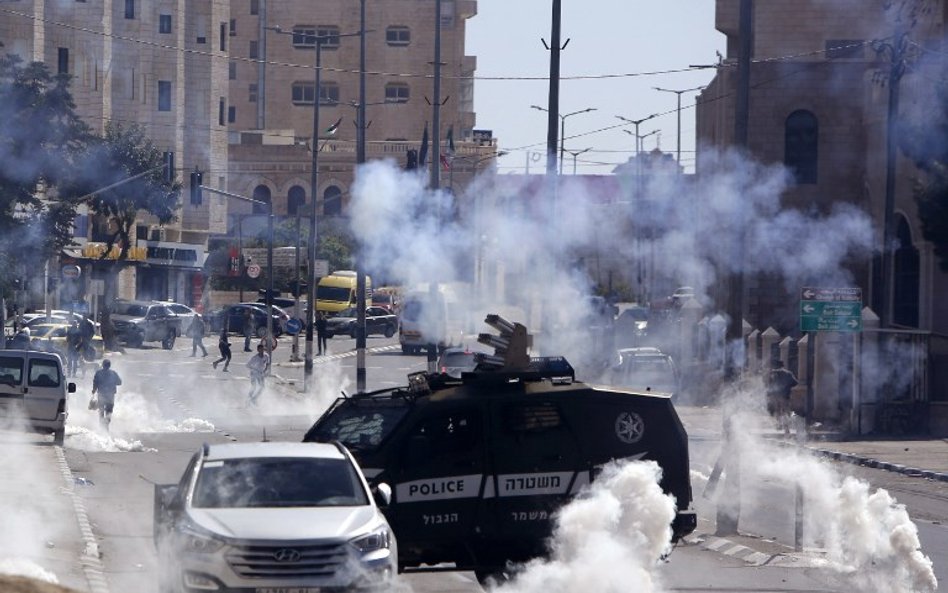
734,550
90,561
873,463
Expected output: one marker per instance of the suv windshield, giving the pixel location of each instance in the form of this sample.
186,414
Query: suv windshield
359,425
129,309
278,482
332,293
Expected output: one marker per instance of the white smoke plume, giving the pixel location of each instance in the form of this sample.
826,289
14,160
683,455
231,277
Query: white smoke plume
623,522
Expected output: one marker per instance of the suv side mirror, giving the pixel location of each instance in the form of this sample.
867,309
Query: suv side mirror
382,493
71,388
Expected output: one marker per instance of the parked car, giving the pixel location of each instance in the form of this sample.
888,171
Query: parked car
273,517
184,313
455,361
51,337
31,320
137,322
646,369
280,316
33,387
233,316
377,321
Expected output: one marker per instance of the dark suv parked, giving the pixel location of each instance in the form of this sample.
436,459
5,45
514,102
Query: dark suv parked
137,322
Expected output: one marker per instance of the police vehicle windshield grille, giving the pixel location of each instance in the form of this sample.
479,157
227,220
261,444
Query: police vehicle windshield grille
360,427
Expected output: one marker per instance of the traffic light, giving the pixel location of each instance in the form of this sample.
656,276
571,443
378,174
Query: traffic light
411,159
168,158
197,178
298,288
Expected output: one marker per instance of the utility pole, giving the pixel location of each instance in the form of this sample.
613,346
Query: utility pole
360,159
896,51
435,170
553,106
262,68
729,503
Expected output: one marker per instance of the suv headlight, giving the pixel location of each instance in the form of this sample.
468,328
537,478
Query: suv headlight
380,539
200,541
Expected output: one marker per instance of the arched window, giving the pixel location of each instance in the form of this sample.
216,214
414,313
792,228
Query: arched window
295,199
261,193
332,201
906,273
801,141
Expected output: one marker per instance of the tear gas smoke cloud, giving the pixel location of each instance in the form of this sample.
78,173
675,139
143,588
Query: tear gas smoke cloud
609,540
868,537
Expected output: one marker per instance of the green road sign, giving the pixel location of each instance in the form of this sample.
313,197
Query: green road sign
831,309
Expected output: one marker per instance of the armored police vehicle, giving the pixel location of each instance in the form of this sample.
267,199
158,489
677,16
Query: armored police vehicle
480,464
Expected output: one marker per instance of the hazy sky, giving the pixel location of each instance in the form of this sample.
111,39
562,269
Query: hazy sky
606,37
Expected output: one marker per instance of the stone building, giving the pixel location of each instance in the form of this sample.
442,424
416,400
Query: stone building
163,66
272,92
818,105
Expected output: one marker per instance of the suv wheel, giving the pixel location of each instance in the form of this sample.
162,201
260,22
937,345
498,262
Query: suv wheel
136,340
59,436
168,342
389,331
353,332
262,331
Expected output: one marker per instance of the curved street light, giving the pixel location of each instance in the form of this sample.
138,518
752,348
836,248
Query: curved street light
563,128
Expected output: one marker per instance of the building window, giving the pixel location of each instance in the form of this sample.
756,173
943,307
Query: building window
254,6
221,111
261,193
844,49
223,36
801,141
254,50
252,93
232,70
233,27
304,36
396,92
906,271
328,93
164,23
295,200
329,35
400,36
303,93
129,9
164,95
63,60
231,114
332,201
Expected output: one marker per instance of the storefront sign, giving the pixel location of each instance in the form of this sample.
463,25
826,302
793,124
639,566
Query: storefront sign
174,254
96,251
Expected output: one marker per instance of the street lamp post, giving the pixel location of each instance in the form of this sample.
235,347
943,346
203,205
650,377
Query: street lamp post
679,93
318,41
575,154
269,297
563,128
639,139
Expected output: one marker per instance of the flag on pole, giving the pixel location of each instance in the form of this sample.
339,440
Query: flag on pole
331,130
448,155
423,153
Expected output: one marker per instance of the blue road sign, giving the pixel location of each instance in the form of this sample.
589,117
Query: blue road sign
293,326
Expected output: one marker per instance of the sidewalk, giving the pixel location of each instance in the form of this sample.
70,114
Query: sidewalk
917,457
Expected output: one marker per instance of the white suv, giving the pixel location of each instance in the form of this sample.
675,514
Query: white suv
273,517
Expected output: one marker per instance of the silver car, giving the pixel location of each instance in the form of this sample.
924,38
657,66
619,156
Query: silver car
272,517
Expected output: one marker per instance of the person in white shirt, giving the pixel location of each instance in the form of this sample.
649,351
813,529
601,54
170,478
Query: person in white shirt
258,365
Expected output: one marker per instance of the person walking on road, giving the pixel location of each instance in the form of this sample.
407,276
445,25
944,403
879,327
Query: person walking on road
780,382
321,341
223,344
196,331
258,365
250,328
104,384
74,346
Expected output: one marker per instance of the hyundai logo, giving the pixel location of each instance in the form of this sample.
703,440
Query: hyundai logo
287,555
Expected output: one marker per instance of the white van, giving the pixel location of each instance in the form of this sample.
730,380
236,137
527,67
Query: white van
33,389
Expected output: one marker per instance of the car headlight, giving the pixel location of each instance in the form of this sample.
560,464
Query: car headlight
200,541
380,539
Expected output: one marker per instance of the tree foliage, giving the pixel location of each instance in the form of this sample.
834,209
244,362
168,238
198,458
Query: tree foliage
42,142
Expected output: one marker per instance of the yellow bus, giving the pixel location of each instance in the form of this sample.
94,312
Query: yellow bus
338,291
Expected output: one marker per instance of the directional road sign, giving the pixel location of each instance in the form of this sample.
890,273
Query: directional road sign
831,309
293,326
